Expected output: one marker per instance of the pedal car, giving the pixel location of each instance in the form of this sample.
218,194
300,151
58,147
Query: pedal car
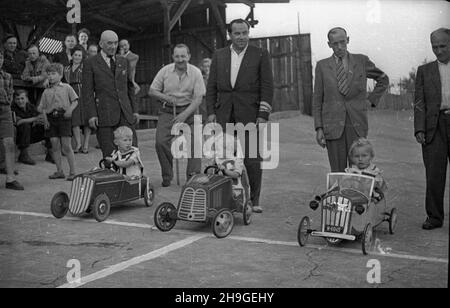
348,211
96,190
207,197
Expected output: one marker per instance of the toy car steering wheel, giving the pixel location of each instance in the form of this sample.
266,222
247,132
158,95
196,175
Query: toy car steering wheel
216,169
104,164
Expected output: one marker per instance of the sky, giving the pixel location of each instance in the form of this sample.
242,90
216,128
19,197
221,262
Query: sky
393,33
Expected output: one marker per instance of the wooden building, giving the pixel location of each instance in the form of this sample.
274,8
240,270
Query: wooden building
153,27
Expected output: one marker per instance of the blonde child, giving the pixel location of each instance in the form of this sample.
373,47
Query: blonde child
229,158
361,155
57,104
127,158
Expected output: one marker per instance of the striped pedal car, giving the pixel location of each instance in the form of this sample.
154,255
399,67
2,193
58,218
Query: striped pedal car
348,211
97,190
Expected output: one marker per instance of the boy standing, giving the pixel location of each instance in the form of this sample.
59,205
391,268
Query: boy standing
57,103
6,126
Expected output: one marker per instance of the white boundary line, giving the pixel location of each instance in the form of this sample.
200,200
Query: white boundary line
245,239
109,222
134,261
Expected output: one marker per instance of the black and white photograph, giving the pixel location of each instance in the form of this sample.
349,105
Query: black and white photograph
226,151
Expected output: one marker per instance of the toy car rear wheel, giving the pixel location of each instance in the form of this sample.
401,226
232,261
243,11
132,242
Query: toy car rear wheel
162,217
302,233
59,204
101,207
149,195
367,239
247,213
223,223
392,220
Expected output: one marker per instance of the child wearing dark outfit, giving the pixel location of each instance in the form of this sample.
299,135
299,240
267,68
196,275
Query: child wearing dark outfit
57,104
30,127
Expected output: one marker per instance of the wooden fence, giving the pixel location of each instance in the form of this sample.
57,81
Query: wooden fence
396,102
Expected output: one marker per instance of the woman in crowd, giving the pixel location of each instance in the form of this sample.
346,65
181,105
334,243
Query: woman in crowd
73,76
83,37
65,56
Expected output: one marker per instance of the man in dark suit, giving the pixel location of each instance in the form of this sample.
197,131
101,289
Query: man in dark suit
432,124
108,93
340,98
240,90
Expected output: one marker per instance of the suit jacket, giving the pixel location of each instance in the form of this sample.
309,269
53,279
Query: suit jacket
106,95
427,100
330,106
254,84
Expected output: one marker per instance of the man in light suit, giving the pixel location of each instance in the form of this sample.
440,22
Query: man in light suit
432,124
108,93
240,90
340,98
124,47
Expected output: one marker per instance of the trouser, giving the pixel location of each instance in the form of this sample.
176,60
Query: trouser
435,156
253,165
338,148
28,134
163,144
105,136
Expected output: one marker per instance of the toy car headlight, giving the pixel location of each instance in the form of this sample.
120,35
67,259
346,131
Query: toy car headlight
359,209
314,204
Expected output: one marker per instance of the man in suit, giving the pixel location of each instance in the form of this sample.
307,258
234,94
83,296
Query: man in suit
432,124
124,47
108,93
240,90
340,98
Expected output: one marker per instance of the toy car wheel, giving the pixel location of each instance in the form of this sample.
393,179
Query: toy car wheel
247,213
333,240
367,239
101,207
392,220
59,204
149,195
223,223
162,218
303,231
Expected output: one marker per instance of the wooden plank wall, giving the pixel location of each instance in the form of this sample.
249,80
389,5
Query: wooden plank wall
292,71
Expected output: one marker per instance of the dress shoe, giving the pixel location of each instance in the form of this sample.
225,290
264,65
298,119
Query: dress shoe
71,177
257,209
165,184
3,171
14,185
57,175
428,225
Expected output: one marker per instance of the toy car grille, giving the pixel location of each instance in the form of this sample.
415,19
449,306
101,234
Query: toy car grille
336,214
193,205
80,195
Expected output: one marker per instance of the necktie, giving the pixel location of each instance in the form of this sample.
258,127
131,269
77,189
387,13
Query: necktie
342,78
112,64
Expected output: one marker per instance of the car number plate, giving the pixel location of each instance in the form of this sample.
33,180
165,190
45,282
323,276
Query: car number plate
334,229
